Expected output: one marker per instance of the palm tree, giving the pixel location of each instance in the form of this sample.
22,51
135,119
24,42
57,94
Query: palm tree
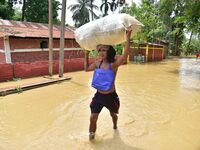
24,10
82,11
120,3
105,4
91,9
113,6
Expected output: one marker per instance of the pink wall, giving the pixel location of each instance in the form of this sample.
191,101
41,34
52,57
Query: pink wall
1,43
31,43
6,72
44,56
39,68
2,58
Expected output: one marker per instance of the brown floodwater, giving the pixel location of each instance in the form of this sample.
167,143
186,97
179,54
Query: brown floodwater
160,110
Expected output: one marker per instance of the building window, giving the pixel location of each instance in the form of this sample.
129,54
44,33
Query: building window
43,44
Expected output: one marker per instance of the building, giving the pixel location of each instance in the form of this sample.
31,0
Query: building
28,42
150,52
24,49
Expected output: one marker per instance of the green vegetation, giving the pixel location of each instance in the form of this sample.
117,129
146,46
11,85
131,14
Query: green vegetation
37,11
82,11
32,10
118,48
2,94
19,89
16,79
93,53
6,9
170,21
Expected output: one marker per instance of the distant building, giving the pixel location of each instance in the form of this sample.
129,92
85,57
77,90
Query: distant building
28,42
150,52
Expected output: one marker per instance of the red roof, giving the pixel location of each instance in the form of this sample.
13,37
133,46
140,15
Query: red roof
30,29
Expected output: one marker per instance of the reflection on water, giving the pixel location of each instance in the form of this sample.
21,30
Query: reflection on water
190,72
190,67
160,109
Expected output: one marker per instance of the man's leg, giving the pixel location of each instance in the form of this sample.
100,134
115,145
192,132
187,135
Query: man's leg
114,119
93,125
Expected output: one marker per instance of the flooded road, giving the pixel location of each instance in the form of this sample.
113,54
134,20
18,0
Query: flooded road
160,110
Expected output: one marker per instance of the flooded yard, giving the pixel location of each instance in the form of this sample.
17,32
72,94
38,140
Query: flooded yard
160,110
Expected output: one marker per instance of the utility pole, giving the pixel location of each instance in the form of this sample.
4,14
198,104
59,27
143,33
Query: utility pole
50,39
62,39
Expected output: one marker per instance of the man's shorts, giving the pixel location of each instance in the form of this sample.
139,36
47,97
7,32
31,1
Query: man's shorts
110,101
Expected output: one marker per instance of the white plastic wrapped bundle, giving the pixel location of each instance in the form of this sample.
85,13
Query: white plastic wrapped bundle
109,30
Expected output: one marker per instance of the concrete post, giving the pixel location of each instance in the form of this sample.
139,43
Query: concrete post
7,49
86,59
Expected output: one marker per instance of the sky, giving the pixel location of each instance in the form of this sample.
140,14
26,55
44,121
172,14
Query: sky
97,2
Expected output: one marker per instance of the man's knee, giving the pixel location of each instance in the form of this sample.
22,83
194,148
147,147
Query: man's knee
94,117
113,114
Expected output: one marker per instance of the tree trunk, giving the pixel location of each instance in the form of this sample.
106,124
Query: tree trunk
23,11
91,5
86,59
179,39
190,40
176,46
62,39
50,39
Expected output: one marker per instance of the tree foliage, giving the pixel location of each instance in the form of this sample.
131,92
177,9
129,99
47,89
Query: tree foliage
32,10
194,46
105,6
18,15
82,11
112,6
167,20
37,11
147,13
6,9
